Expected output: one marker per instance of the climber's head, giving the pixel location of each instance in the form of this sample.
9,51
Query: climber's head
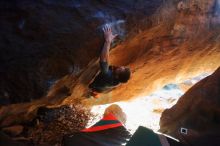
122,74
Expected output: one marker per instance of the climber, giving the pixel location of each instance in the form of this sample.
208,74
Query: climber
109,76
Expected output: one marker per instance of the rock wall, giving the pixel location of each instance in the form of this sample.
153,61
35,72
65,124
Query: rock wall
42,41
198,109
182,41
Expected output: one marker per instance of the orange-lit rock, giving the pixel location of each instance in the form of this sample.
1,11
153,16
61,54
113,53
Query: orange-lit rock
180,44
14,130
180,47
43,41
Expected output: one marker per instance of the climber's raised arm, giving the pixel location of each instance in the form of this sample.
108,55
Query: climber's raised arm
109,77
109,37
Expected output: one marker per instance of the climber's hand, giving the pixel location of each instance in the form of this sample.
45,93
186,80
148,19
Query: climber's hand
109,37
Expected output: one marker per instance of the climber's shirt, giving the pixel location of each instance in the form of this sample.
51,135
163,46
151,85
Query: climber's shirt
105,80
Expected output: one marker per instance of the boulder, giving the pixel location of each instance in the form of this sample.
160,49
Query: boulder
197,110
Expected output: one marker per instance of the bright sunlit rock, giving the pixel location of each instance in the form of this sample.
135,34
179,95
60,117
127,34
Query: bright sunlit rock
146,111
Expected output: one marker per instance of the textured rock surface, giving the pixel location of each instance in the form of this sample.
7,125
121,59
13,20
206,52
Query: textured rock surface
13,130
44,40
53,123
198,109
180,41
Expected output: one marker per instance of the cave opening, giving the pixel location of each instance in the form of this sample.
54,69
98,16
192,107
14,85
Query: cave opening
147,110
